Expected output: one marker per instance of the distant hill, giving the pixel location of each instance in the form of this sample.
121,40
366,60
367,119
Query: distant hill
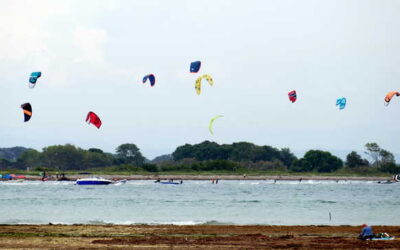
162,158
12,154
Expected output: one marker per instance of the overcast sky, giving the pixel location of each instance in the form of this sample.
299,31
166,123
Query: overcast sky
94,54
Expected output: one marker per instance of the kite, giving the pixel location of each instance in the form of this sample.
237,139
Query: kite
292,96
27,109
389,97
341,102
210,126
33,78
195,67
93,119
198,82
151,78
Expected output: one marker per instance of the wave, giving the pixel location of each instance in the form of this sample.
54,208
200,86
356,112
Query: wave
324,201
246,201
105,222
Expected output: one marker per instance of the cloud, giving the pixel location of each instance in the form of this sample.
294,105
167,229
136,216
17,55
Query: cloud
91,44
22,27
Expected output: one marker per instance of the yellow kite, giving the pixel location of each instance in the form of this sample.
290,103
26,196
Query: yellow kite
198,82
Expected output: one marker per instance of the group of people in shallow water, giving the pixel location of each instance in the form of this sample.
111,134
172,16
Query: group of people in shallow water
214,181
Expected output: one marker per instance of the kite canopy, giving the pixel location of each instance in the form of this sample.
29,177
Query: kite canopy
195,67
389,96
341,102
33,78
151,78
210,126
93,119
198,82
27,109
292,96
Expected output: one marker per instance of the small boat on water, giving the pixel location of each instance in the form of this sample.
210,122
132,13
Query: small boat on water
93,181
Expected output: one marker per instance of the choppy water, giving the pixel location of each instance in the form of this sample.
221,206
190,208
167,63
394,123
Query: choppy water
200,202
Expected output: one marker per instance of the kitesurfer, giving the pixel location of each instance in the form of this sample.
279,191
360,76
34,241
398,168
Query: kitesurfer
366,232
44,176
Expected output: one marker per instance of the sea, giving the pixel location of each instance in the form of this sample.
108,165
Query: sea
246,202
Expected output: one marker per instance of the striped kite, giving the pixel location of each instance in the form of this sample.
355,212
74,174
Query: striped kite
292,96
27,109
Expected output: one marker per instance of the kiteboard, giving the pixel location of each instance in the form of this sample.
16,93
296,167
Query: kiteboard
384,238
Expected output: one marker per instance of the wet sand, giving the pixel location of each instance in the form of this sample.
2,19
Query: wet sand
190,237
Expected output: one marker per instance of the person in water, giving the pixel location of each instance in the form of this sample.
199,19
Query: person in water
366,232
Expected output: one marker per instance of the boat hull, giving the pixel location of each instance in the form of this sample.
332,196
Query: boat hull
93,182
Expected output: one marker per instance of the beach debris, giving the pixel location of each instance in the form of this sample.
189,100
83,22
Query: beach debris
389,96
151,78
341,103
292,96
27,109
197,85
195,67
94,119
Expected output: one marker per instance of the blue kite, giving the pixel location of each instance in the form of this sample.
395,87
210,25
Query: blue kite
341,102
151,78
195,67
33,78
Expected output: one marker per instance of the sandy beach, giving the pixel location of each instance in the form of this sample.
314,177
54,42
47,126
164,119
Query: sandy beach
190,237
221,177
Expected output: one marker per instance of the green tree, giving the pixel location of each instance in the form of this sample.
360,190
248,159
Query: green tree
5,164
287,157
301,165
386,157
318,160
96,159
390,167
30,158
150,167
373,151
354,160
129,153
63,157
95,150
378,155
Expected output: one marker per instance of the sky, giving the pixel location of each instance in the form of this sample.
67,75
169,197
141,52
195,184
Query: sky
94,54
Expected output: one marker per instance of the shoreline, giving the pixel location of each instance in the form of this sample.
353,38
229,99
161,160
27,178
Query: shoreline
220,177
191,237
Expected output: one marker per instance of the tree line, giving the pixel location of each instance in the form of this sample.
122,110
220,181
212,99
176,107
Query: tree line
205,156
